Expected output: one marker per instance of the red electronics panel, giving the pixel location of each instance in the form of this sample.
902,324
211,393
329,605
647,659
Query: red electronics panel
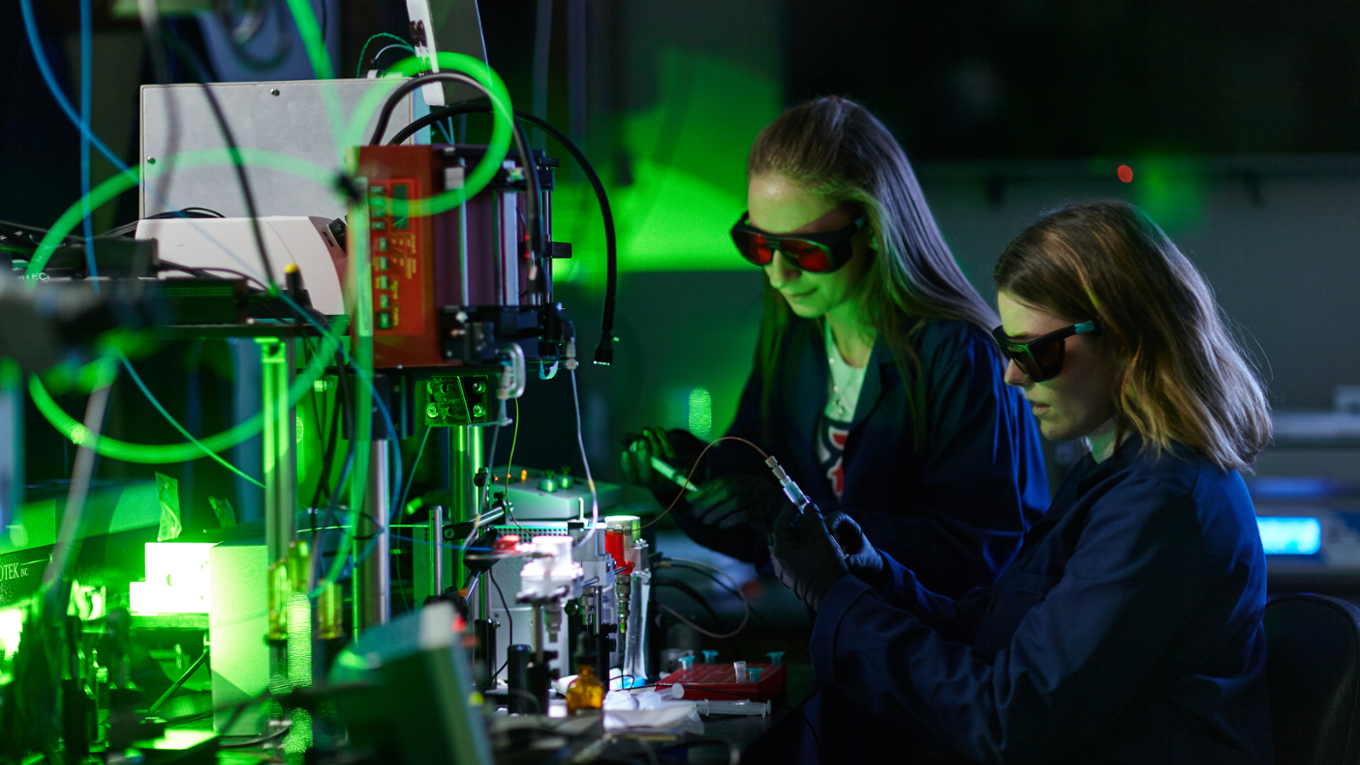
719,681
400,250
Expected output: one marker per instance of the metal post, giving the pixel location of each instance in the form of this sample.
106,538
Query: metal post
280,457
576,71
373,582
437,550
280,486
11,446
542,47
467,458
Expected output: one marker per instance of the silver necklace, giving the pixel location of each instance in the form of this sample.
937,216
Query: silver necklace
846,381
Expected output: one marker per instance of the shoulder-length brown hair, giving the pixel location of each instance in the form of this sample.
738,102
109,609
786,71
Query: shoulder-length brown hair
1184,376
840,151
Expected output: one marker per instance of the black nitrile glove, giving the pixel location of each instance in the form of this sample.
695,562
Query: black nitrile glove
733,499
805,556
863,560
679,448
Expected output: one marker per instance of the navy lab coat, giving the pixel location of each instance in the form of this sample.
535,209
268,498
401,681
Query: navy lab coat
1127,629
956,506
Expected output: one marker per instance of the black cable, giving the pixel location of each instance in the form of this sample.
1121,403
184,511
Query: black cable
191,212
508,616
206,272
328,453
718,581
604,352
316,417
235,153
187,212
534,197
697,597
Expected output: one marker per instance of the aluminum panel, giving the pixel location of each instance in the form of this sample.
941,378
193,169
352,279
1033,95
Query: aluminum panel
290,118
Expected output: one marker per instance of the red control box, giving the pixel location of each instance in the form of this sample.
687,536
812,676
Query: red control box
719,681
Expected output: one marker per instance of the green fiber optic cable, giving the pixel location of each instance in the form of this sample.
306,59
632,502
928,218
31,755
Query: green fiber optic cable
501,128
311,38
362,360
122,182
156,454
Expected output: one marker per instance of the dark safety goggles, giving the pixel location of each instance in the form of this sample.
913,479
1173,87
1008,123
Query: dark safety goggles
1042,357
815,253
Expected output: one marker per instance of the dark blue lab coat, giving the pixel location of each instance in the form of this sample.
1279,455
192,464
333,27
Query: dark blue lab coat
957,505
1127,630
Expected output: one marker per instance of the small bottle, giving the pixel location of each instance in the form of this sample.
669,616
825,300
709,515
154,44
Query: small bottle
585,692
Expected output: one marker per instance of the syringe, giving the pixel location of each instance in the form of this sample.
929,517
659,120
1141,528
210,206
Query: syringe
791,490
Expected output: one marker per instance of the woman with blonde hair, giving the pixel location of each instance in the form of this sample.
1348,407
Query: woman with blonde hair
876,384
1128,627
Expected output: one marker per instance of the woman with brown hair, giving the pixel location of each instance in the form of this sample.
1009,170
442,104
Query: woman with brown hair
875,384
1128,627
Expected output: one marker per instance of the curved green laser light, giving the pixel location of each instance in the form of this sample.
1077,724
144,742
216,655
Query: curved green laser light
157,454
122,182
502,112
136,378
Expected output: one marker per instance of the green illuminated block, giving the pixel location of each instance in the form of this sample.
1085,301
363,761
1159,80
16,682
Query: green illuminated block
237,624
700,412
177,580
11,624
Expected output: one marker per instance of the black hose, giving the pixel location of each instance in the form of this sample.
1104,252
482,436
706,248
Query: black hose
604,352
535,195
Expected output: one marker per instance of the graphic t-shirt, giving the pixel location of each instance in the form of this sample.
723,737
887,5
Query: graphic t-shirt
833,427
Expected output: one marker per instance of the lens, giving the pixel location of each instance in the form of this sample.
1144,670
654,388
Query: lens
753,247
1026,364
809,257
1049,356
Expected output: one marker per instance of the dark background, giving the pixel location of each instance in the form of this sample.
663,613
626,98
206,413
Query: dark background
1238,118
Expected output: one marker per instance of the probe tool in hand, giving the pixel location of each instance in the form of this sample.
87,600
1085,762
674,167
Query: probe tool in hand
665,470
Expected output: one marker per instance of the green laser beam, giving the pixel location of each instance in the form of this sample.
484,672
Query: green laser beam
136,378
501,127
158,454
122,182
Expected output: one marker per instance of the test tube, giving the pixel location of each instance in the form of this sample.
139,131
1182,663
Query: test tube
739,671
710,657
330,610
776,658
753,674
280,588
687,662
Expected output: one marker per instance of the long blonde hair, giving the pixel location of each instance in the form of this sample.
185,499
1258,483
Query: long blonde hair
1184,377
840,151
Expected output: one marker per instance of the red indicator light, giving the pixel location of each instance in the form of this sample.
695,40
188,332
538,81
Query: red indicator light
1125,173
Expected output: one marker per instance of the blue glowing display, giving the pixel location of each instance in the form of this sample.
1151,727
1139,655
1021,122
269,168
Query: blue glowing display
1290,536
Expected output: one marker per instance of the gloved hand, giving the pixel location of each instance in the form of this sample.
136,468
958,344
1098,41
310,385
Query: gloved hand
805,556
679,448
862,559
733,499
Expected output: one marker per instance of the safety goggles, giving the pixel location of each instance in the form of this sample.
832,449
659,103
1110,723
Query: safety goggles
815,253
1042,357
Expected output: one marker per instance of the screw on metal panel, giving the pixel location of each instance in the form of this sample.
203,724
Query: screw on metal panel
151,160
273,91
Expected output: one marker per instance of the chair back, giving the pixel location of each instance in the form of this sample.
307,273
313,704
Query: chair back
1314,675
